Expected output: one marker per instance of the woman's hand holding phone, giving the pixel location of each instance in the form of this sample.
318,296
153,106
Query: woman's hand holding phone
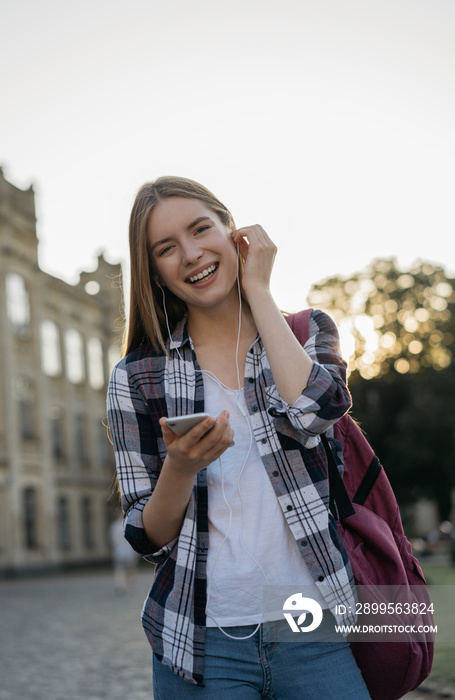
202,444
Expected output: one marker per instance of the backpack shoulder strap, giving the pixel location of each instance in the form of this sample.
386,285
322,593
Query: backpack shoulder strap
364,466
340,503
300,325
339,495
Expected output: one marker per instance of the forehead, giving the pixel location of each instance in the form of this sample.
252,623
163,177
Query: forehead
175,214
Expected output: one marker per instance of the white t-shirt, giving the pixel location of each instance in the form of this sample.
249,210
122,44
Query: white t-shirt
256,530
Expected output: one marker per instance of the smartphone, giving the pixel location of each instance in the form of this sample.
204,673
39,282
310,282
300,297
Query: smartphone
181,424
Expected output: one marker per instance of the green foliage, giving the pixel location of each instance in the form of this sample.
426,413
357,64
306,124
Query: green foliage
396,320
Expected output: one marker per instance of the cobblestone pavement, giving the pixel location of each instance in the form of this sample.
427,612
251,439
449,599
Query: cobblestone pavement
71,637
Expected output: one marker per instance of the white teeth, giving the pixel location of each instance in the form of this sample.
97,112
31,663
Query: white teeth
203,274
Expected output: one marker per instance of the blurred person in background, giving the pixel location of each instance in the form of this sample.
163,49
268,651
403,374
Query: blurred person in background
124,558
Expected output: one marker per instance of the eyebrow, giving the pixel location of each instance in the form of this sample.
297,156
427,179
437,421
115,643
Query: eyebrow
188,228
198,221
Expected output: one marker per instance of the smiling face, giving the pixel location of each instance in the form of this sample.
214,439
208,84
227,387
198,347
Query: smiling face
192,252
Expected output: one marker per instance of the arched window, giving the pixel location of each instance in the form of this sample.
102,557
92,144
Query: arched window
18,304
51,360
75,356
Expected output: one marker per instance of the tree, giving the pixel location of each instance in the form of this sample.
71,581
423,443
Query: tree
392,319
398,328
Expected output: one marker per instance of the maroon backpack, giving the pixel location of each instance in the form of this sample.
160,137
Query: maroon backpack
380,555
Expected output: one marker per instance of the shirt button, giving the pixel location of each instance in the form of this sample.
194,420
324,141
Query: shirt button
251,380
320,578
304,543
255,409
289,508
275,473
264,440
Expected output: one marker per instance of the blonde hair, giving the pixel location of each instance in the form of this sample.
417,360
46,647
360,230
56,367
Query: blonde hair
147,320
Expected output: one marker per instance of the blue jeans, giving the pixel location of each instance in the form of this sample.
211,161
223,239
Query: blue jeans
253,668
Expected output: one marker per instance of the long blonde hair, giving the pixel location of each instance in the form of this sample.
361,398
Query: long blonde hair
147,320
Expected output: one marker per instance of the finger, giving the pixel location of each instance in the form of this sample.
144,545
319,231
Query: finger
243,232
259,234
256,236
238,235
243,247
168,435
221,431
221,446
199,431
219,450
164,427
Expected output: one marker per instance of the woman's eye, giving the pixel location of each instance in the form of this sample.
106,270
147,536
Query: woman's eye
164,251
201,229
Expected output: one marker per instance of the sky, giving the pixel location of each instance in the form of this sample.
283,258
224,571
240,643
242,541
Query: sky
329,122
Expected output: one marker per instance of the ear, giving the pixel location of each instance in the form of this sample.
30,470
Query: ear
231,230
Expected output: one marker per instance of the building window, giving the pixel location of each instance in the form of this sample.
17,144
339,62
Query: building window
26,420
63,517
51,361
114,356
31,518
75,356
87,523
95,363
18,304
80,435
26,399
56,431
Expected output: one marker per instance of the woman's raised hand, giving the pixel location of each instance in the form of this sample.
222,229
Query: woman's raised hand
258,251
200,446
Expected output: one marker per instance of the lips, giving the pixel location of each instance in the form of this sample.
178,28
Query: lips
203,274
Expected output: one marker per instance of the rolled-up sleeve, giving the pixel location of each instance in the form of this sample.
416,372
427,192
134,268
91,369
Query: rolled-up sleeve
136,456
326,397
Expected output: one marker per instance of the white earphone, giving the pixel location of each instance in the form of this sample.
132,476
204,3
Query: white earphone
244,413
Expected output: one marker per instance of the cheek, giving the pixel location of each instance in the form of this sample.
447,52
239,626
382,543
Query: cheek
230,248
164,271
234,257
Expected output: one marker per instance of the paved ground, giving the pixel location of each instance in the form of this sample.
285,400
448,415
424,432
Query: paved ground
72,638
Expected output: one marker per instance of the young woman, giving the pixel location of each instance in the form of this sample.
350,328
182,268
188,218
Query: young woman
239,505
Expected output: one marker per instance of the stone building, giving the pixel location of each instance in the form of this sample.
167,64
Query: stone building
57,345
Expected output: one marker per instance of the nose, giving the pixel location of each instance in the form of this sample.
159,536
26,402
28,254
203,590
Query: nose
191,252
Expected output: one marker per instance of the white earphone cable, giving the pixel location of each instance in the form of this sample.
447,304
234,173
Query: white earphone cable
241,409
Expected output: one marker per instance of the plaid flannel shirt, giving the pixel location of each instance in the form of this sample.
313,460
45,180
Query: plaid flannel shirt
146,385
